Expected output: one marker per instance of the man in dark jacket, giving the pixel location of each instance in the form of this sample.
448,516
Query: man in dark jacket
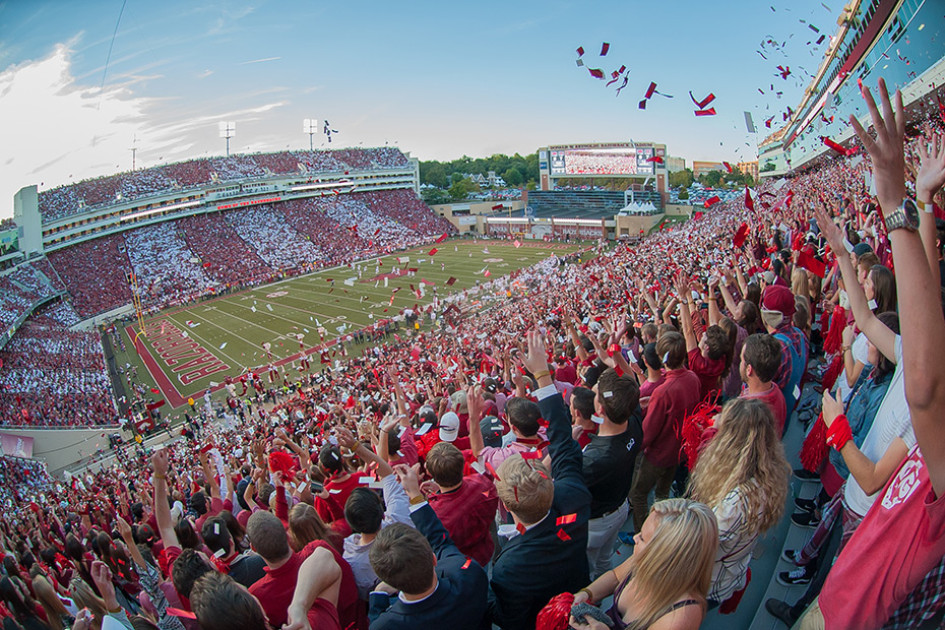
549,554
439,586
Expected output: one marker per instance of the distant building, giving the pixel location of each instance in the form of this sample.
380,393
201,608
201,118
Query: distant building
749,168
675,164
701,168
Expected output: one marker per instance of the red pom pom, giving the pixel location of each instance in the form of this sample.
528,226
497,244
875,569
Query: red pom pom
556,613
815,446
833,339
696,432
832,372
280,461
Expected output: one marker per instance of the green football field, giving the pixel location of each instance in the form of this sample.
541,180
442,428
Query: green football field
184,351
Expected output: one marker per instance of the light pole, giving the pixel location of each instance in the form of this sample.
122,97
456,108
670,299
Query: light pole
310,126
227,130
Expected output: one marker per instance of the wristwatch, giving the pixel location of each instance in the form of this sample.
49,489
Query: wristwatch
906,216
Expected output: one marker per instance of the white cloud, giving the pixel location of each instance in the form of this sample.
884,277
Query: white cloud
58,131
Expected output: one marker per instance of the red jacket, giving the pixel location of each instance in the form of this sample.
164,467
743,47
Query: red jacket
669,405
467,513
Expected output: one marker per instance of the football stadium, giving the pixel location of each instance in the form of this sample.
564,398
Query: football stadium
688,380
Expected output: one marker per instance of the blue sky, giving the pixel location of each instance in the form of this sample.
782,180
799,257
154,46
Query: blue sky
437,79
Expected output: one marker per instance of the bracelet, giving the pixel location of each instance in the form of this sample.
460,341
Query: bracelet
116,611
924,207
845,348
590,595
541,373
417,500
157,476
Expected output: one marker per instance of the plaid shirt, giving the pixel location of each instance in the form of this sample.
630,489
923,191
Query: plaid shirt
798,344
926,599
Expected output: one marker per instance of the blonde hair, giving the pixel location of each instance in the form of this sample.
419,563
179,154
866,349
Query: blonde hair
524,486
800,283
85,597
46,595
677,559
746,455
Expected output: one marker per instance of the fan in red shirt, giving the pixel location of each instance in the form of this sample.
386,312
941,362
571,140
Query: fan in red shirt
708,354
465,505
318,564
761,357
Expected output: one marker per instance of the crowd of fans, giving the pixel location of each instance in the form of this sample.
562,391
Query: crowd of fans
24,286
183,259
225,257
167,270
52,377
61,202
96,273
276,242
481,473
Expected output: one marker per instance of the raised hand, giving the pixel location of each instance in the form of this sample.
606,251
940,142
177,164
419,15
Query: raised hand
886,150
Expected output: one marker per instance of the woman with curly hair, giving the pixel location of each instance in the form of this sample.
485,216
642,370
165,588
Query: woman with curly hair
743,476
664,583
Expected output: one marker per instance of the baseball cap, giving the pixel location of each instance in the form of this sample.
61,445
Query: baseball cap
458,401
491,428
777,304
489,385
862,248
449,426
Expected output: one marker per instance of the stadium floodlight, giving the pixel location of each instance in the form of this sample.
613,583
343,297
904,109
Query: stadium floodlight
310,126
227,130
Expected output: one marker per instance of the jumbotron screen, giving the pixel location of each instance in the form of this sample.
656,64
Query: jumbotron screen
610,161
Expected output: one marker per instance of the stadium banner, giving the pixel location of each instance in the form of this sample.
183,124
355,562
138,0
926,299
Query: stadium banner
16,445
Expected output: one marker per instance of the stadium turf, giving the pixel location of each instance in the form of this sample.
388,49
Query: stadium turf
187,350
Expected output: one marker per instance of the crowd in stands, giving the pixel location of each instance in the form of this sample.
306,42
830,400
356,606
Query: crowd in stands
21,479
183,259
24,286
167,270
52,377
63,201
275,241
406,209
225,257
95,273
340,243
370,494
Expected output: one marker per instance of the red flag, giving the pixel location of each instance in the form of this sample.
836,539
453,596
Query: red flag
487,273
442,238
702,104
657,159
740,235
727,166
451,281
650,90
497,207
711,201
597,73
836,147
433,251
808,261
749,202
155,391
517,243
604,48
706,112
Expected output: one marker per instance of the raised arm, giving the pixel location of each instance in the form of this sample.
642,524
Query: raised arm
162,512
920,313
347,439
474,402
928,182
882,337
685,314
319,576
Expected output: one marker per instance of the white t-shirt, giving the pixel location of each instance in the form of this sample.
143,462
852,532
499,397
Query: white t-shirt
861,351
892,421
